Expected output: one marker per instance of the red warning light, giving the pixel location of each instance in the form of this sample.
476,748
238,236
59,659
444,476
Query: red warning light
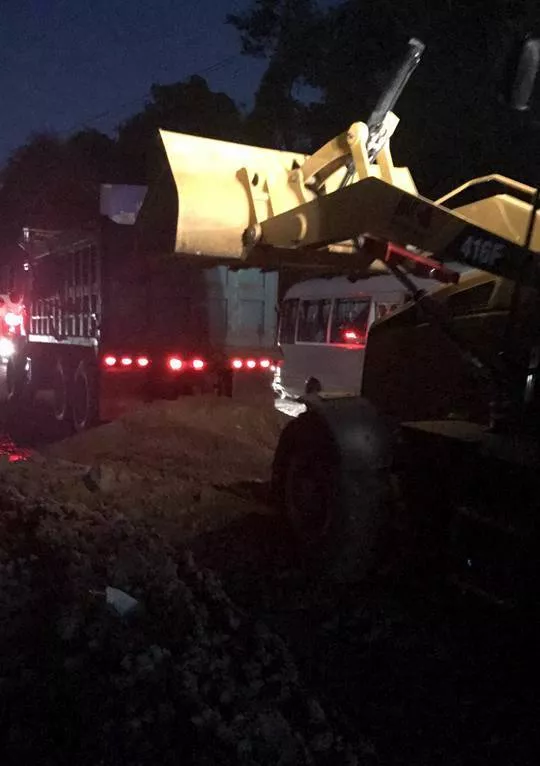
175,363
251,363
109,361
143,361
237,364
126,361
198,364
264,363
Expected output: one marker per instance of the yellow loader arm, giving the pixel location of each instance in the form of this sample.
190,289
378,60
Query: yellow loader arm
269,208
225,189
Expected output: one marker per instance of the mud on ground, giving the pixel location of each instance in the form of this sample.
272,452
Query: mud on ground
189,466
402,670
185,675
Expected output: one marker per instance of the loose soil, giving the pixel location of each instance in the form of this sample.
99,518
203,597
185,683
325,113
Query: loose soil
230,656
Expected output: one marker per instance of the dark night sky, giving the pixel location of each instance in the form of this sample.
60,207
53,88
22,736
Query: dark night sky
66,65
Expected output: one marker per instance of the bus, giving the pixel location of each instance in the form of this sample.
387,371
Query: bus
322,333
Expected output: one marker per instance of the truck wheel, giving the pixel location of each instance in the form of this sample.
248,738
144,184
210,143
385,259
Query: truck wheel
337,518
61,392
85,397
19,386
224,383
14,382
204,385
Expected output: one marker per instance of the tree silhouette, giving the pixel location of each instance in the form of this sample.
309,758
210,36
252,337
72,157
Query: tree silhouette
52,183
453,126
285,32
186,107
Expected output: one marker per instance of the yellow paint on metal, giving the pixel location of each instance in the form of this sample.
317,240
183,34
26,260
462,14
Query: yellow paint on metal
503,214
222,189
273,208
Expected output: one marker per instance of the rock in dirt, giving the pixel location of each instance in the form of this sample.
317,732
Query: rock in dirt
188,679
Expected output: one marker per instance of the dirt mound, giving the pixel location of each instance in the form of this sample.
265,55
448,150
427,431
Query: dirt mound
203,438
185,464
181,676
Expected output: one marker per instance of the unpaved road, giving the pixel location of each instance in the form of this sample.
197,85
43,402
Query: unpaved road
423,675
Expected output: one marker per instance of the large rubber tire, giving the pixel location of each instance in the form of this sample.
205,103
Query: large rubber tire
85,396
338,519
204,384
224,383
61,389
19,392
14,383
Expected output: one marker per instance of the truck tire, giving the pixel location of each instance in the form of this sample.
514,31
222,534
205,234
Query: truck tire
337,518
61,381
85,396
224,382
15,382
204,385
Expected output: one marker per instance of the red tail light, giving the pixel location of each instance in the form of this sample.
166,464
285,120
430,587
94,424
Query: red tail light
175,363
143,361
198,364
352,336
109,361
126,361
251,364
237,364
264,363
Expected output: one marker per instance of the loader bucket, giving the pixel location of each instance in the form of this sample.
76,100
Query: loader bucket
215,202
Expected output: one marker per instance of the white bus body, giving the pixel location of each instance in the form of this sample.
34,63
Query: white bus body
323,328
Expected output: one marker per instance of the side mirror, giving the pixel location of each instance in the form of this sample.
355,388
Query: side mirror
521,74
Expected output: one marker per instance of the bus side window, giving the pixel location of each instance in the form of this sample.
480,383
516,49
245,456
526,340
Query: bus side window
386,308
350,321
287,321
313,321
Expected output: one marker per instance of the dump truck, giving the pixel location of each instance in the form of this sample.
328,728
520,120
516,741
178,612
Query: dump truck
444,436
104,321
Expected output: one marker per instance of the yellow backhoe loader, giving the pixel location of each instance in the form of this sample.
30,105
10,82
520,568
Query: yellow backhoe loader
449,411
